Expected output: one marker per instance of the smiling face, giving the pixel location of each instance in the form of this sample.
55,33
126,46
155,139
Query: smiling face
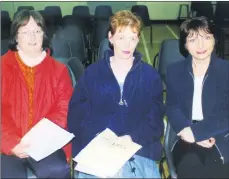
200,44
30,37
124,41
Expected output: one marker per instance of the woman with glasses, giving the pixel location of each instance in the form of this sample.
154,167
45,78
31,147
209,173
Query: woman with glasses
123,93
198,104
34,86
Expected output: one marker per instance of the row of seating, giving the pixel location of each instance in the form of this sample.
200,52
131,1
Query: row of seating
93,28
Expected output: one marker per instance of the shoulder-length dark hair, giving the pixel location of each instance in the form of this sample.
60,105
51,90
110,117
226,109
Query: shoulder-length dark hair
21,19
192,26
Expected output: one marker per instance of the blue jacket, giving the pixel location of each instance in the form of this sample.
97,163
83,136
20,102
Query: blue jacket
95,106
215,100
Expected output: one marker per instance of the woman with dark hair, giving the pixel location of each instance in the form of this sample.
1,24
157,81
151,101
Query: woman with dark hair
34,86
124,94
198,104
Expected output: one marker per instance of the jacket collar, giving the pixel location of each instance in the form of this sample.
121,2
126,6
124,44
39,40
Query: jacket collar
11,59
109,53
213,59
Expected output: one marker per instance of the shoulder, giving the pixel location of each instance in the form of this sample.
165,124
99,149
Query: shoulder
221,63
94,70
149,70
54,65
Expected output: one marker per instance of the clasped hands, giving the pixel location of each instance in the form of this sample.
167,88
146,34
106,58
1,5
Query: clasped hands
187,135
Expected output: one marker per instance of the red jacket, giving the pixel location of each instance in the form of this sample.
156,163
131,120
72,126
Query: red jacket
52,92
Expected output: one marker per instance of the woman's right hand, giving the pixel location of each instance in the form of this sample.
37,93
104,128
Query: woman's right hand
20,150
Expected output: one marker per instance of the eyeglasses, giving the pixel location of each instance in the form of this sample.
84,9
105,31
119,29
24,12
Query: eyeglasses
29,33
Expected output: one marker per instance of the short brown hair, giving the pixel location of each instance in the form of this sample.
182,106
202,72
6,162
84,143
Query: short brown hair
21,19
191,26
125,18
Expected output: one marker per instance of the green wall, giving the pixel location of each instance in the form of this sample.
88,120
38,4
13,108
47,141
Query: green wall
157,10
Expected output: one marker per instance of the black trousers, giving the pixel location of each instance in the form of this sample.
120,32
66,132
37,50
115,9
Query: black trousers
53,166
194,161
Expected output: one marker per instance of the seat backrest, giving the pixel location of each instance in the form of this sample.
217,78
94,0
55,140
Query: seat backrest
169,54
142,12
103,12
170,140
81,11
5,25
203,8
5,18
53,15
222,13
71,20
4,46
69,42
104,45
100,32
83,17
60,47
75,36
76,67
25,7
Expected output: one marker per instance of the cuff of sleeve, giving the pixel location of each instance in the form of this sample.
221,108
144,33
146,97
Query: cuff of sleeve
9,145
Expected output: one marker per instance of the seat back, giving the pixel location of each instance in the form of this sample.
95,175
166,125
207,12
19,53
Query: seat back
202,8
170,139
100,32
222,14
25,7
142,12
69,42
169,54
53,15
77,67
5,24
81,11
104,45
4,46
103,12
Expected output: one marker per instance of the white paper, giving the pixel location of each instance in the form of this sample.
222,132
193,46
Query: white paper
45,138
105,155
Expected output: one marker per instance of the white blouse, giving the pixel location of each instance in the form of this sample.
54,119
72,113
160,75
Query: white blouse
197,113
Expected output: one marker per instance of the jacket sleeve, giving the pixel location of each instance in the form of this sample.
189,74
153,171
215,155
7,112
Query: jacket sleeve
152,126
58,112
210,128
79,108
9,134
175,116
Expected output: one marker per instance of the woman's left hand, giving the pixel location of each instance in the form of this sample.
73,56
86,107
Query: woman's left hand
207,143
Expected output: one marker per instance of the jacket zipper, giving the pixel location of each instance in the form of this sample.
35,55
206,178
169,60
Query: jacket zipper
121,101
221,156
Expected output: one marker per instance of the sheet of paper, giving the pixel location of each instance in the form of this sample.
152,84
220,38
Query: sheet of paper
45,138
106,154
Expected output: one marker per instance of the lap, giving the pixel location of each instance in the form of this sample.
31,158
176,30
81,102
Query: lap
194,161
55,165
13,167
137,167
